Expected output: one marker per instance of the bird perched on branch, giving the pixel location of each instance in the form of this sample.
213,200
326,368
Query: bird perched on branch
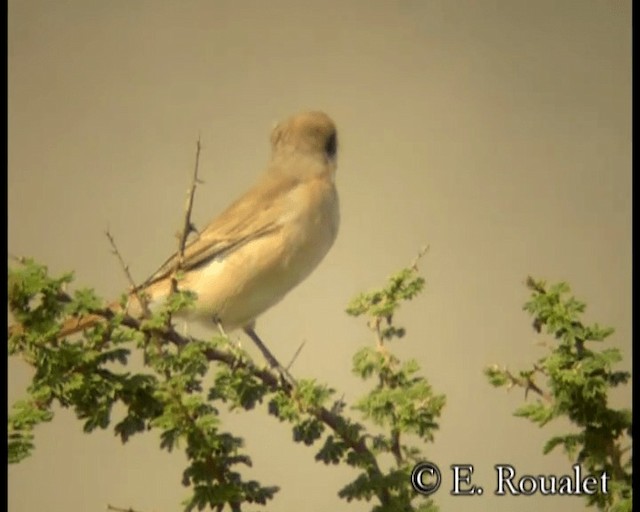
264,244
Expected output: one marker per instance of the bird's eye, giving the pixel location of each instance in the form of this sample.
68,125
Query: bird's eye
331,147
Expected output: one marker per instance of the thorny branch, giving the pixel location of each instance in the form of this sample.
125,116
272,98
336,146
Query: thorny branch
528,384
273,382
134,287
187,225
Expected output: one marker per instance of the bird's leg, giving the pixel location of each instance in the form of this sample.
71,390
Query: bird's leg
218,323
273,362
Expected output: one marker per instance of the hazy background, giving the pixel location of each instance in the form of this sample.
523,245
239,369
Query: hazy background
496,132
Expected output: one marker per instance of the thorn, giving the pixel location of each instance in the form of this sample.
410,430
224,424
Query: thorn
295,355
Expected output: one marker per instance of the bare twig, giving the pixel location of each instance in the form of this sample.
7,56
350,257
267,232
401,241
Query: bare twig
528,384
296,354
118,509
271,359
421,253
378,333
539,369
187,226
134,287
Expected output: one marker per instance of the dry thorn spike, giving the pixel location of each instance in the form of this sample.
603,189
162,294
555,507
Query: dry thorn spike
125,267
187,225
295,355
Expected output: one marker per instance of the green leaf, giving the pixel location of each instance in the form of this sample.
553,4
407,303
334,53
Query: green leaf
332,451
536,412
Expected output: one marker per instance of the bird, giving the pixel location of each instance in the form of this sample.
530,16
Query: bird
262,245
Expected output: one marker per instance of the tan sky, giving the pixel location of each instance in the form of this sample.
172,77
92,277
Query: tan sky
498,132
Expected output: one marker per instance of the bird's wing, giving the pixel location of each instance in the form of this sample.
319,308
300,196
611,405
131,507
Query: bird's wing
256,214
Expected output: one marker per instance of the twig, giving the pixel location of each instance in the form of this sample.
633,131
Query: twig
378,332
118,509
528,385
134,287
536,286
539,369
271,359
421,253
18,259
296,354
187,226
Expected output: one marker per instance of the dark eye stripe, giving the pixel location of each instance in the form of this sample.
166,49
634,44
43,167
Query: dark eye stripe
331,147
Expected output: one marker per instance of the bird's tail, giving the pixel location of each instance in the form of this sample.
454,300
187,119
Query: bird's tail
74,324
80,323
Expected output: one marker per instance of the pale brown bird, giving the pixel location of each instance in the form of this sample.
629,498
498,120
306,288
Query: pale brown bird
265,243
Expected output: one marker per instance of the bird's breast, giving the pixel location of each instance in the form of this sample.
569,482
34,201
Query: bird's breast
310,226
307,228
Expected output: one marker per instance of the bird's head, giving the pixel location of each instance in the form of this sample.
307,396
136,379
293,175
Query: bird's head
310,133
